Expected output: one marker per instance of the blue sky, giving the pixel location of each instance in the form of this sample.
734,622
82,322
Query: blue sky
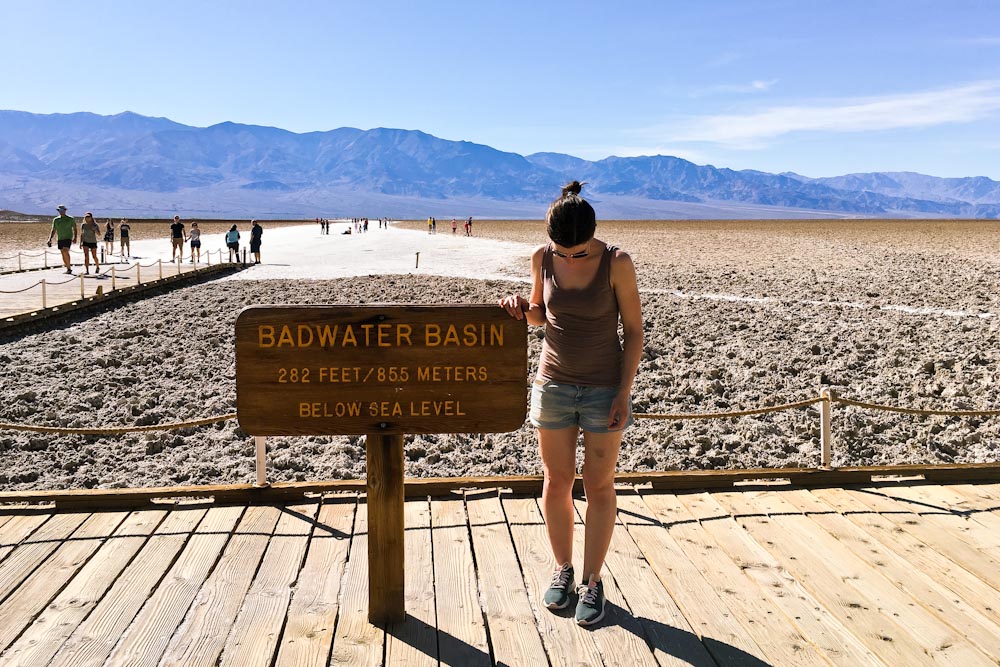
817,87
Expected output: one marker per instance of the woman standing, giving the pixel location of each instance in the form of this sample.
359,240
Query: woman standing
109,238
195,236
88,239
581,288
233,243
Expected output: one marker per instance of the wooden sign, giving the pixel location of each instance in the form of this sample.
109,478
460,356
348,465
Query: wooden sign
391,369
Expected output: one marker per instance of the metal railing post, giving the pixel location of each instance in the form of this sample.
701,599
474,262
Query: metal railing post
159,263
46,259
44,305
19,262
81,287
825,431
178,267
112,276
260,442
138,275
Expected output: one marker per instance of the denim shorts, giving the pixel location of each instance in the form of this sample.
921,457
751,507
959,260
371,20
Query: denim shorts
556,405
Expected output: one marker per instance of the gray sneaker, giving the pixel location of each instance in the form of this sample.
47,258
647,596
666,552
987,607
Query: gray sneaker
590,608
557,596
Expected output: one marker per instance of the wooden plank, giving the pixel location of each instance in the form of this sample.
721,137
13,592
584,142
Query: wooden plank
815,553
284,492
727,640
357,642
386,533
509,617
16,529
57,622
146,639
49,577
932,533
312,616
977,528
962,617
413,641
983,597
202,636
566,642
821,628
96,637
461,629
32,551
255,636
662,623
774,632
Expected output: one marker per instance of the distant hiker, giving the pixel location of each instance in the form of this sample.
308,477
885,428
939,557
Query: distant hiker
468,226
255,233
124,229
233,243
88,239
109,238
64,229
582,288
177,239
454,225
195,236
430,225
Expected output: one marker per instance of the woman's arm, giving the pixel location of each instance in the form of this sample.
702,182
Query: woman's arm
623,282
533,310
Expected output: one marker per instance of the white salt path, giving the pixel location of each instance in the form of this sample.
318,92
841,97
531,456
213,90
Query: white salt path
302,253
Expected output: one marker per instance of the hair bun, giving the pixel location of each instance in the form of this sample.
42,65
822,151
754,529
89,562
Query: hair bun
572,188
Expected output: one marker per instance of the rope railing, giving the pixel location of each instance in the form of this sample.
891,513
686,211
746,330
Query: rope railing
826,399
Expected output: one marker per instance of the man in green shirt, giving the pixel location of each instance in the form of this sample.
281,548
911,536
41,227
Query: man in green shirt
64,229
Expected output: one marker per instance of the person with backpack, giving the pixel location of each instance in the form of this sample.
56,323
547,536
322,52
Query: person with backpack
233,243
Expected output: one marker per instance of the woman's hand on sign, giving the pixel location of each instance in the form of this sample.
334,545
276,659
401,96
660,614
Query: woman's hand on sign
515,305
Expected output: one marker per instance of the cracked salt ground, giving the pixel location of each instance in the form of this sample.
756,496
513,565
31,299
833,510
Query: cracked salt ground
171,358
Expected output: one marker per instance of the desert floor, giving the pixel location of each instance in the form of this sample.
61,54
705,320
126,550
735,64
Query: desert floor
737,314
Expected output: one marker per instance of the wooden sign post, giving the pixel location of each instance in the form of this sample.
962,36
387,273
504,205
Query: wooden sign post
381,371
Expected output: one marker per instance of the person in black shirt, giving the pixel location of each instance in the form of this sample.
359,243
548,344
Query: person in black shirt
255,233
177,239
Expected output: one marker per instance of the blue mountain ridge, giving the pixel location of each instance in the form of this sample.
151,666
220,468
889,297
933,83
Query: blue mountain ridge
133,163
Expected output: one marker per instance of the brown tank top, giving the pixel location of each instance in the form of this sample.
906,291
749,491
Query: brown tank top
581,343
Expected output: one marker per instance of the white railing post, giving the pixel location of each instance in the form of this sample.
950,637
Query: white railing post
825,432
43,294
209,258
138,277
261,443
178,267
46,259
19,262
159,263
112,276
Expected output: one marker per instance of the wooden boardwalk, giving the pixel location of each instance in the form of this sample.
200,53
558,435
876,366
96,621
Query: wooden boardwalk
21,293
888,575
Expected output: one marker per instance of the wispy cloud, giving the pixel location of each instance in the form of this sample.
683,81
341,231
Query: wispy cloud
960,104
980,41
757,86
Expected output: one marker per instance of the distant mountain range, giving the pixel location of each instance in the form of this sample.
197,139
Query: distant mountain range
134,165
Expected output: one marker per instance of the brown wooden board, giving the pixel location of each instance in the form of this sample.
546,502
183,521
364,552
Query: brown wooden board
391,369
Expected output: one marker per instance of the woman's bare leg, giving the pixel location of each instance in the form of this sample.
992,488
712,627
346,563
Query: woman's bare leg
599,462
558,450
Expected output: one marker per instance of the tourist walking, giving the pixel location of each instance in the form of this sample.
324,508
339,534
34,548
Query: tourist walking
468,226
64,229
195,236
454,225
581,288
177,239
125,232
109,238
88,239
256,231
233,243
